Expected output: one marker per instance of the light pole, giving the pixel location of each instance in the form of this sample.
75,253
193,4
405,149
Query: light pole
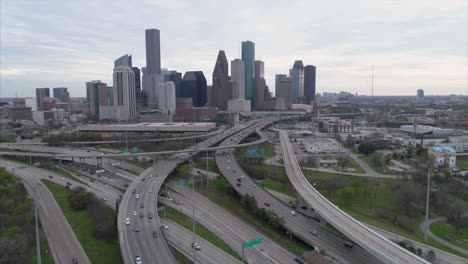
193,216
38,241
426,228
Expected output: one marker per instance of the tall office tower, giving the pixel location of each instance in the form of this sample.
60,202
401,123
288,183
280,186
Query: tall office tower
125,60
309,83
248,56
176,78
297,75
41,93
62,94
167,97
259,94
144,81
153,51
152,92
109,96
124,93
420,94
220,88
96,92
238,77
194,86
277,81
285,90
136,71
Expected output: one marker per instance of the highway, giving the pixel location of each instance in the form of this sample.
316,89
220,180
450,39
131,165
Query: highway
61,239
299,225
375,243
226,226
181,239
142,243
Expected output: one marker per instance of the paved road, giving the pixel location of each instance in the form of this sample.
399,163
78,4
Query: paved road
181,239
142,243
226,226
62,240
378,245
422,226
299,225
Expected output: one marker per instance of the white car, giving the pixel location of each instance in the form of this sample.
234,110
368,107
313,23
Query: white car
127,221
293,213
135,213
138,260
228,168
137,196
151,190
229,161
165,226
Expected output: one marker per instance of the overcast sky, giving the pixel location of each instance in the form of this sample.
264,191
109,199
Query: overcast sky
413,44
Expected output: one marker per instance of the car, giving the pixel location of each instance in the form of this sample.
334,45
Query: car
229,161
137,196
93,180
155,233
293,213
348,244
234,171
74,261
138,260
104,198
242,177
304,207
196,246
142,215
228,168
69,183
164,226
127,221
253,185
238,184
63,178
143,179
88,151
299,260
151,190
50,176
134,213
267,204
314,232
238,179
150,216
142,206
134,191
136,229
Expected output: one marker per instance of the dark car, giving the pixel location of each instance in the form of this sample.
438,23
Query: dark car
69,183
141,206
267,204
74,261
304,207
142,215
143,179
150,216
93,180
348,244
239,179
238,184
50,176
299,260
134,191
136,229
155,234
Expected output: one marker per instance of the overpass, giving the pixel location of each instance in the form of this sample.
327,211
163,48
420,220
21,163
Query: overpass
367,238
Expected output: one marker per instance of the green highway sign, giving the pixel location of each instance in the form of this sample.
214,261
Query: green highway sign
134,149
181,182
253,242
125,150
190,180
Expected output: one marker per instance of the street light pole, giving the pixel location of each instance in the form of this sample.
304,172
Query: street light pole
38,241
426,228
193,219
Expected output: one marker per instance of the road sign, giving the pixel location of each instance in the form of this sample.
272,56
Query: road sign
255,152
190,180
253,242
125,150
181,181
134,149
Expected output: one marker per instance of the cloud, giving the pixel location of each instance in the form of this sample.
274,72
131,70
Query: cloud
413,44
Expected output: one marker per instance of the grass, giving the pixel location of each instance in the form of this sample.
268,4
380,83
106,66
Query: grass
202,231
369,160
46,254
231,202
462,164
61,172
201,164
354,165
448,232
98,251
7,138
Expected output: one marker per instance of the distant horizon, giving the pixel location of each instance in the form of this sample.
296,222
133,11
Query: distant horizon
413,45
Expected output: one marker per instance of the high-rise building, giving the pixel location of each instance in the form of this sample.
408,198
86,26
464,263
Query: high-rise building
277,81
136,71
96,95
297,75
40,94
238,78
259,93
285,90
309,83
194,86
153,51
125,60
248,56
420,94
61,93
124,93
176,78
167,97
220,88
144,81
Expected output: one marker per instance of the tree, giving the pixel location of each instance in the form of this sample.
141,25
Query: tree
367,148
431,256
222,185
79,199
185,170
343,163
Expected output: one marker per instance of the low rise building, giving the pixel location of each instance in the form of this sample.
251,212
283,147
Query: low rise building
149,127
336,126
443,156
238,105
322,147
327,163
20,113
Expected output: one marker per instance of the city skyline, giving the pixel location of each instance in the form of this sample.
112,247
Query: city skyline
409,51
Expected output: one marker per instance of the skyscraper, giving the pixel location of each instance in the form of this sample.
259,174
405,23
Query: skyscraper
124,93
40,94
153,51
167,98
420,94
194,86
61,93
176,78
125,60
96,95
220,88
285,90
309,83
277,82
297,75
259,94
238,77
248,56
136,71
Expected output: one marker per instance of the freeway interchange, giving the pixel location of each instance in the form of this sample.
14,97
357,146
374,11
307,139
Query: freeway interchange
147,185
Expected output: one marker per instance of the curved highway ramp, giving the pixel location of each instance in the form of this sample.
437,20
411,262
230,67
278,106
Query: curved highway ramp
370,240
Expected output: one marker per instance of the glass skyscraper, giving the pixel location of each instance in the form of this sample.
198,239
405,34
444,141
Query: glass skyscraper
248,56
